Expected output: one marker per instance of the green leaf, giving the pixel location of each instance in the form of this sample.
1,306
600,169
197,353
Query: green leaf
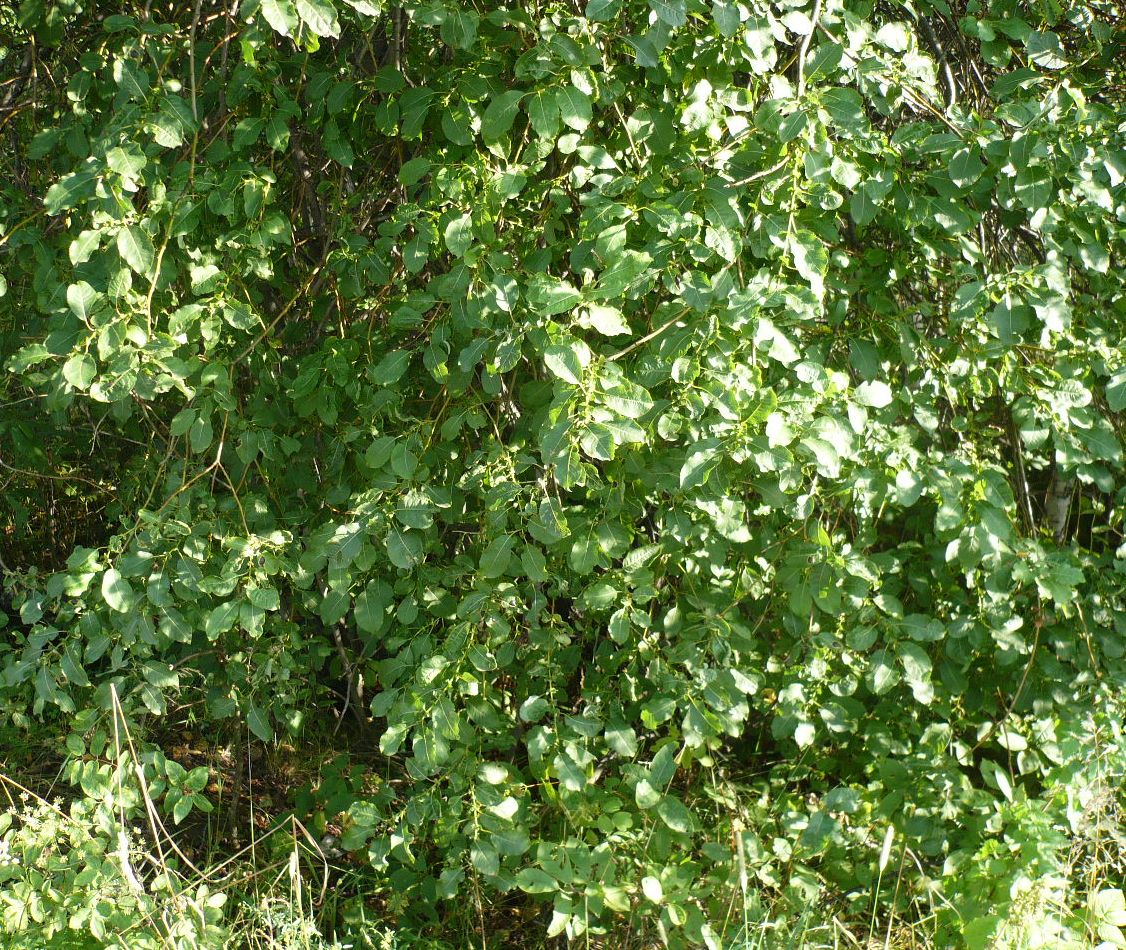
135,247
533,709
624,271
597,441
459,28
371,607
923,628
701,460
161,675
239,316
69,191
893,35
571,777
182,422
997,777
627,400
607,320
413,170
574,107
759,41
646,795
534,563
548,297
117,591
1046,51
221,619
663,767
882,674
861,208
1008,320
247,132
334,606
875,393
672,12
172,123
567,360
496,557
675,814
965,168
117,22
79,371
500,115
917,668
726,17
1116,391
259,723
319,16
280,15
72,668
1059,580
459,234
265,597
535,881
337,146
543,112
126,162
494,773
569,471
201,434
622,740
404,548
182,808
599,11
391,368
846,109
811,259
133,81
825,453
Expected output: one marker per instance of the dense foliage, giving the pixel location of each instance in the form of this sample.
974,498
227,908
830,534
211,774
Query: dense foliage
671,449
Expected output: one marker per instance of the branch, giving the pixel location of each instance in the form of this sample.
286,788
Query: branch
806,40
765,173
645,339
947,72
281,313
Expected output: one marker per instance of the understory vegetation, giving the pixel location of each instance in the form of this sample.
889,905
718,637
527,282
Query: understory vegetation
611,473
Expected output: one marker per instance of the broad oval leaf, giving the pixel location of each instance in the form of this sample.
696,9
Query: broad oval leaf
116,591
135,247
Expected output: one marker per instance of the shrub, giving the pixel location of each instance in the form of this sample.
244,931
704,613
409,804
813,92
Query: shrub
672,447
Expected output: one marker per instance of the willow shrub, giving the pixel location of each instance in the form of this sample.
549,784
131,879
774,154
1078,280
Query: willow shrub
687,437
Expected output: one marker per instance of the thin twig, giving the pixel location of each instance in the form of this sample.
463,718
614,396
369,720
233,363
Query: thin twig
765,173
1022,478
649,336
191,57
947,72
1037,624
281,313
20,224
52,478
353,699
806,40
